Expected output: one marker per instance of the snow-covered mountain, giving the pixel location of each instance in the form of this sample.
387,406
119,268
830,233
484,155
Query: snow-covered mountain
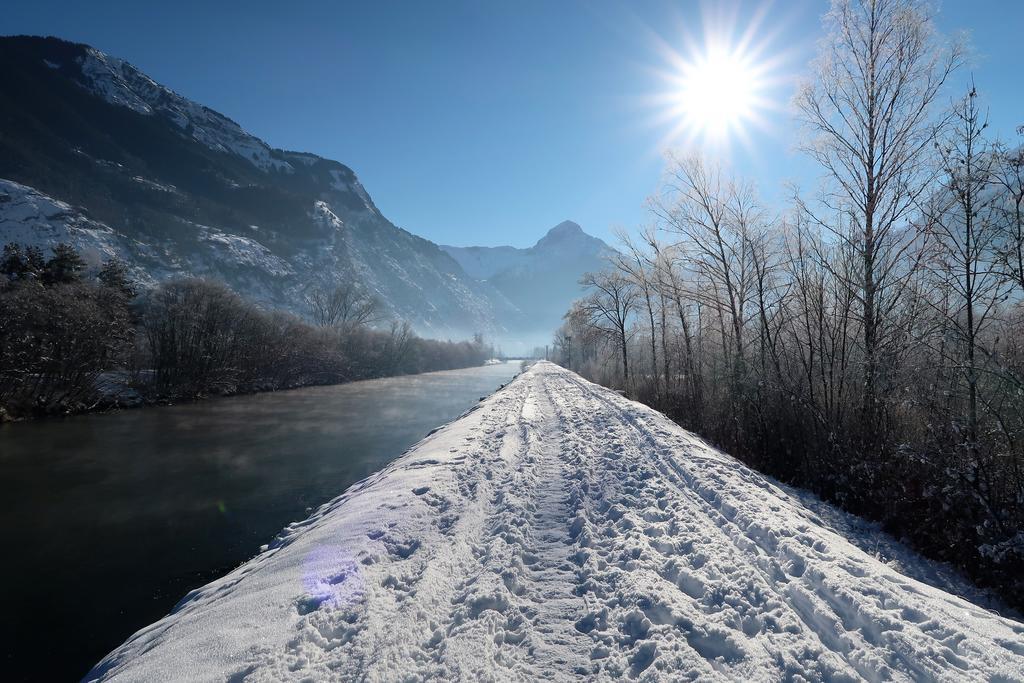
94,152
542,280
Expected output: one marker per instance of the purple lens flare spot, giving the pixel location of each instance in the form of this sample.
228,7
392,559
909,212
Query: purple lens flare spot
332,578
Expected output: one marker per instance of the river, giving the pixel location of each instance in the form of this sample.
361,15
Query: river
110,519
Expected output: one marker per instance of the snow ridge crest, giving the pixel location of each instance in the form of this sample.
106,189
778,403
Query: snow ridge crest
119,83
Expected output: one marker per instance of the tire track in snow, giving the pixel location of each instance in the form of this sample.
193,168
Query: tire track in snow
629,496
561,532
833,618
698,506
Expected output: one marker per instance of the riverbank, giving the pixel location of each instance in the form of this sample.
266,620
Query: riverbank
115,517
72,340
559,529
115,392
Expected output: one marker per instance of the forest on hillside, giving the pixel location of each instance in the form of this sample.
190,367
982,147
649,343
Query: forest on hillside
866,341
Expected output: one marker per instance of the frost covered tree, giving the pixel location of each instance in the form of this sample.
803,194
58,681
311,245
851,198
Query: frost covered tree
609,309
1010,179
717,223
868,345
636,268
58,331
870,113
963,221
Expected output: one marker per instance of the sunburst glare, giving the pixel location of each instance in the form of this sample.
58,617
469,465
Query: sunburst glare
715,89
717,92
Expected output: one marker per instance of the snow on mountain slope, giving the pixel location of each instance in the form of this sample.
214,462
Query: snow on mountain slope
485,262
120,83
31,218
559,530
187,191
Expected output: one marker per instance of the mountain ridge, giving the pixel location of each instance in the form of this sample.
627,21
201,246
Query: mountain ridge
541,280
95,151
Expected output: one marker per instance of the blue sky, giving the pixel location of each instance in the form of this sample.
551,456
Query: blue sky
489,122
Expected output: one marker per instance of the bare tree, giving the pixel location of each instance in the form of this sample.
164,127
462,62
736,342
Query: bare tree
964,222
398,344
660,265
608,309
717,221
875,356
346,305
1010,178
869,111
577,342
636,267
683,301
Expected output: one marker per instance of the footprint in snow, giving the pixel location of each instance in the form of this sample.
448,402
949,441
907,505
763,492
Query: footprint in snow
401,550
331,577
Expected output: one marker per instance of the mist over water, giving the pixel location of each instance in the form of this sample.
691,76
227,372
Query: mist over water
116,517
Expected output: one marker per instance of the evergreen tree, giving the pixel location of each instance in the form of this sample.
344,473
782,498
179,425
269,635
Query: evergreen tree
35,261
64,267
13,264
114,275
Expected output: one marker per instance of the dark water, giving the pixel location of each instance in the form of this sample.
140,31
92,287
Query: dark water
108,520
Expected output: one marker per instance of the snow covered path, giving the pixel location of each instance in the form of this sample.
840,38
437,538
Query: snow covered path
557,531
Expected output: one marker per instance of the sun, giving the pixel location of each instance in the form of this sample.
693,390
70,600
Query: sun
718,93
716,87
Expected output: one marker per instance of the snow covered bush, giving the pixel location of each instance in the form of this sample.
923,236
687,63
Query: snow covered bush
58,332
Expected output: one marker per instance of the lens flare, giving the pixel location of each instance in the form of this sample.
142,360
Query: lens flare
331,577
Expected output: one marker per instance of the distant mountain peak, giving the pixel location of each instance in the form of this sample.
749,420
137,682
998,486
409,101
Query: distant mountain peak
542,280
568,234
564,229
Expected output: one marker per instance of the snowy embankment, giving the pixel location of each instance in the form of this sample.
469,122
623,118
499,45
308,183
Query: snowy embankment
561,530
